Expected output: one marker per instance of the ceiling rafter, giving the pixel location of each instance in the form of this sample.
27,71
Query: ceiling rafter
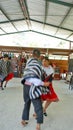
17,20
52,36
15,32
46,12
52,25
61,3
69,35
36,32
64,19
3,30
23,5
8,18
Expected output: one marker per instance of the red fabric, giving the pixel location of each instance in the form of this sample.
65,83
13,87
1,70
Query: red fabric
52,96
9,76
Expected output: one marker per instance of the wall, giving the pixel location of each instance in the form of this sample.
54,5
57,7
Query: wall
62,64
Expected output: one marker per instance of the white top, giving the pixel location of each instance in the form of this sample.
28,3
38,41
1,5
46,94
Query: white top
49,70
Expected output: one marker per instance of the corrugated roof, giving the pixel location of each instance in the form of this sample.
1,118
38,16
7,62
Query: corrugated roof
51,17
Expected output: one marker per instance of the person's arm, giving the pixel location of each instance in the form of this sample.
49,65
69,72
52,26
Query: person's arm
50,78
46,84
38,82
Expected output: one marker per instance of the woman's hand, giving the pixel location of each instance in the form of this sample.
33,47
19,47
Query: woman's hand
46,84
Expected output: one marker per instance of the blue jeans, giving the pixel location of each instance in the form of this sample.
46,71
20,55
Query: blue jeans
37,103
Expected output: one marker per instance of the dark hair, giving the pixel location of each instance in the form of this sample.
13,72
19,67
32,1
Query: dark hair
5,55
36,53
46,58
9,57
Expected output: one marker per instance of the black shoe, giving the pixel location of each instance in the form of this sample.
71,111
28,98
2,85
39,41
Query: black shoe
2,88
45,114
5,86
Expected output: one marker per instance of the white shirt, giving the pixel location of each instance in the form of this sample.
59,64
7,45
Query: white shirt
35,81
49,70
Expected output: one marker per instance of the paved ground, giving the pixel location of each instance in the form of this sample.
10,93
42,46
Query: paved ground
60,115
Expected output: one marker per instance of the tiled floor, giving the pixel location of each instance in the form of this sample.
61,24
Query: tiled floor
60,115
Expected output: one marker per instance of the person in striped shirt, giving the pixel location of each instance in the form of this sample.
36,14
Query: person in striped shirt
33,77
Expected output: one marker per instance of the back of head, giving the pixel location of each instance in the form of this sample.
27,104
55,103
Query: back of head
36,53
46,58
6,55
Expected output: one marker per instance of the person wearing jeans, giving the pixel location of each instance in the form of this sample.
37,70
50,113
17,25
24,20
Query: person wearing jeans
32,75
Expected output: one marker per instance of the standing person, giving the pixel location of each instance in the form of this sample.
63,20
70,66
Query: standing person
33,79
10,74
5,70
50,96
1,77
